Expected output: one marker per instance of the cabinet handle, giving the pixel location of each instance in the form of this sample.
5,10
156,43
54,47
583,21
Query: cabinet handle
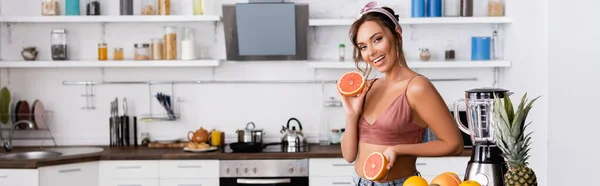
189,184
189,166
341,183
129,185
5,176
130,167
421,163
342,165
69,170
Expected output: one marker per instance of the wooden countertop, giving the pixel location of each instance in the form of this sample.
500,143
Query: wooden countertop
144,153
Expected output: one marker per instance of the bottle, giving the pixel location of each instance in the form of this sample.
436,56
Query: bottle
93,7
102,52
72,7
449,54
126,7
188,49
342,52
199,7
58,47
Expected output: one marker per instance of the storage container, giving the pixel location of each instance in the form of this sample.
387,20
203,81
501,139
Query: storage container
148,7
434,8
480,48
59,49
50,7
72,7
418,8
170,43
142,51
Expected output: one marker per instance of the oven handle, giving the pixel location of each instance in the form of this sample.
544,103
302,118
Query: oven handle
263,181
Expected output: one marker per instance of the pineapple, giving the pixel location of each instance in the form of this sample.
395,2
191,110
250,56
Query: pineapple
510,137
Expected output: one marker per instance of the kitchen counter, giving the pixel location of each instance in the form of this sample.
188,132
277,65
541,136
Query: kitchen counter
144,153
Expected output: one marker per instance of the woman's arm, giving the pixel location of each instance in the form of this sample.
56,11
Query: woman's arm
431,108
350,140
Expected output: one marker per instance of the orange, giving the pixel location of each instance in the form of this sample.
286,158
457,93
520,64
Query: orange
470,183
351,84
447,179
375,167
415,181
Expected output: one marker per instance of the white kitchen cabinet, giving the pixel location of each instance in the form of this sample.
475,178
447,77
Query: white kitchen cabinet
20,177
189,182
335,181
188,169
330,167
131,169
75,174
129,182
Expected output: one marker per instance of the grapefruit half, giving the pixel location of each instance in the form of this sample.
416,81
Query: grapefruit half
351,83
375,167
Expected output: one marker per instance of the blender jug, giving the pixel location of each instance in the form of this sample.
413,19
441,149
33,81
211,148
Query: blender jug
480,114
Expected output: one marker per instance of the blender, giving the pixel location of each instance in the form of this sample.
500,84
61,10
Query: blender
486,166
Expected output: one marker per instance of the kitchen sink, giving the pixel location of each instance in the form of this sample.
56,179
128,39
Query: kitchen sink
31,155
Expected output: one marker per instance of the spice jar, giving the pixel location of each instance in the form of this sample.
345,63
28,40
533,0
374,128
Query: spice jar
170,43
335,136
466,8
118,54
424,55
495,8
188,49
50,7
449,54
156,49
142,51
102,52
148,7
164,7
126,7
342,52
59,44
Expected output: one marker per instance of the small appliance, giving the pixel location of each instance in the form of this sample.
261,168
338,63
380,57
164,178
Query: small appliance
486,166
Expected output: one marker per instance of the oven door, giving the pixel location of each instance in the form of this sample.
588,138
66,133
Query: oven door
267,181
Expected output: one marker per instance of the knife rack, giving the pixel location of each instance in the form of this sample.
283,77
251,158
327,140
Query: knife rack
28,134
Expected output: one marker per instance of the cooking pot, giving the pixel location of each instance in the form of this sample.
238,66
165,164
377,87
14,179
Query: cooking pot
250,135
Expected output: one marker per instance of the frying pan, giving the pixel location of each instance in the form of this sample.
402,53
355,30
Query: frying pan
249,146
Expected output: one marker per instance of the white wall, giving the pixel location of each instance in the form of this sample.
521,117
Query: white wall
229,107
572,69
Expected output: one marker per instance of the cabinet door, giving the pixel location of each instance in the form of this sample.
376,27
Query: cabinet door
334,181
134,169
189,169
330,167
129,182
190,182
23,177
70,175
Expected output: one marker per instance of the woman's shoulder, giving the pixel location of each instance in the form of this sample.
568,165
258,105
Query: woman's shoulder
420,85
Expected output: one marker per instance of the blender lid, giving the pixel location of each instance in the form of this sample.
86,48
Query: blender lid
487,90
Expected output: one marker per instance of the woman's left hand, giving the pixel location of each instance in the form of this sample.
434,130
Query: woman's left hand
390,155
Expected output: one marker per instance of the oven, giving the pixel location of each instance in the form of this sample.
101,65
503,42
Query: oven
276,172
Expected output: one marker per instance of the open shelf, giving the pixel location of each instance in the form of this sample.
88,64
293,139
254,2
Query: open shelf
124,63
415,21
108,19
416,64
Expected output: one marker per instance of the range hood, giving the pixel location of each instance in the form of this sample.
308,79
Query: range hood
266,30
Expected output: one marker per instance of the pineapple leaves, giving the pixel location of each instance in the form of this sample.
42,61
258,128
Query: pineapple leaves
508,107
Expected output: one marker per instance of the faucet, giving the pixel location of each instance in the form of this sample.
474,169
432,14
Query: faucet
8,143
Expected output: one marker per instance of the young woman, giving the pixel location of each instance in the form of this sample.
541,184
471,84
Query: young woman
392,113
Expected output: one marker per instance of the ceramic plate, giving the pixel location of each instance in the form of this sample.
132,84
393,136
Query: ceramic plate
200,150
39,114
4,105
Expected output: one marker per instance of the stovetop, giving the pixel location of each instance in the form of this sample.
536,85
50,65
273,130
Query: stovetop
267,149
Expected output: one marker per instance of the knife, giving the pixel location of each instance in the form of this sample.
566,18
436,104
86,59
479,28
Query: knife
125,123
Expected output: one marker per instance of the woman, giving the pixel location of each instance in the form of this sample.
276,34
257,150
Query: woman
392,113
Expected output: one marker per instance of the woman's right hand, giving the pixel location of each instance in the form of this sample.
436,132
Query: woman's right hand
353,105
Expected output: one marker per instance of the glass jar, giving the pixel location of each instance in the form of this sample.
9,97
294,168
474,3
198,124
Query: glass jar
466,8
495,8
156,49
58,47
142,51
342,52
170,43
102,52
335,136
148,7
164,7
449,54
93,7
451,8
188,49
424,55
72,7
118,54
199,7
50,8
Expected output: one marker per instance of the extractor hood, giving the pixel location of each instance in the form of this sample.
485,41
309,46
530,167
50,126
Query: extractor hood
266,30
